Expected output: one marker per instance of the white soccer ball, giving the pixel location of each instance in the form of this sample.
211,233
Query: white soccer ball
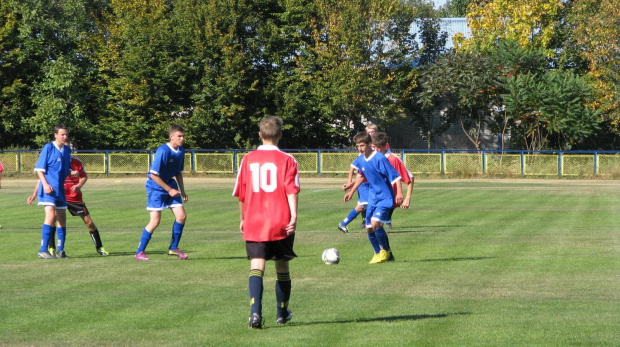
331,256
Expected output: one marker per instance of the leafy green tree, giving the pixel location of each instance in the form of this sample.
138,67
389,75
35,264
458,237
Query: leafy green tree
454,8
463,87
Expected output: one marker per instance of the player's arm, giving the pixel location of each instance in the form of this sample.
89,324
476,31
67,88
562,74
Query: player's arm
399,193
292,205
179,178
81,183
241,217
358,181
34,194
164,186
46,186
350,182
407,200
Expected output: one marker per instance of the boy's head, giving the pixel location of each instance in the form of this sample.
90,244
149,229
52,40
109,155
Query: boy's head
380,140
371,128
176,135
271,129
362,142
60,134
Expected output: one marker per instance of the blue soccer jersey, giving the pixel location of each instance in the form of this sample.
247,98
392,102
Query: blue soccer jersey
55,163
167,164
380,175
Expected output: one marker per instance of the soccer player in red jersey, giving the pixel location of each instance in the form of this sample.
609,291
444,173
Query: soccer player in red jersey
267,186
75,204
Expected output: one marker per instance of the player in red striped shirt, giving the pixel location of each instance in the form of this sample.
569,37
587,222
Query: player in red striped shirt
267,186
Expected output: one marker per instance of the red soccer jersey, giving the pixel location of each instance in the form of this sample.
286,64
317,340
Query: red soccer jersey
266,176
1,167
70,181
405,174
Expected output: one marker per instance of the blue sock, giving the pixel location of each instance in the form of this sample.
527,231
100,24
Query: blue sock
382,238
283,292
374,242
46,230
350,217
61,234
144,241
255,284
177,231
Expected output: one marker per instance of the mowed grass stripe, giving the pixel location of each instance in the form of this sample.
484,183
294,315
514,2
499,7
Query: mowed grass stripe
500,263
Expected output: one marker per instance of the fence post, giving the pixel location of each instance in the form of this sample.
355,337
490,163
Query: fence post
19,161
107,163
234,161
595,163
443,162
193,161
560,166
319,162
522,164
484,162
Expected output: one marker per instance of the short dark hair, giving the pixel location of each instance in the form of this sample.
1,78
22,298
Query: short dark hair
271,128
380,139
361,137
58,127
176,127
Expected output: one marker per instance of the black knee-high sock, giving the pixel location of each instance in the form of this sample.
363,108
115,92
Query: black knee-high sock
255,283
94,234
283,292
52,242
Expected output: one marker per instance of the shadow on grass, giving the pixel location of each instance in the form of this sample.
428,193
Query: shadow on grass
414,317
456,259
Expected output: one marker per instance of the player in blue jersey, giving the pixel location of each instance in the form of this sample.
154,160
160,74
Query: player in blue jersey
381,175
165,189
363,192
52,167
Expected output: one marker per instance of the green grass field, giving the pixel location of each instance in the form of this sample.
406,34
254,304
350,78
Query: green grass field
478,263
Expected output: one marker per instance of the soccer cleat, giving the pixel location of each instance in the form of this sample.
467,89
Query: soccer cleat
102,252
285,319
363,225
46,255
375,259
62,255
142,256
383,255
391,257
388,225
343,228
177,252
52,251
255,321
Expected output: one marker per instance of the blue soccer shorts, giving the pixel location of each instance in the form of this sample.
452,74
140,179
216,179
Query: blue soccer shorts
157,199
58,201
363,194
378,213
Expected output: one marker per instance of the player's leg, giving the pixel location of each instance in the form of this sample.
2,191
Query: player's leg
61,229
255,285
46,230
349,218
177,232
285,253
94,232
380,215
51,245
147,232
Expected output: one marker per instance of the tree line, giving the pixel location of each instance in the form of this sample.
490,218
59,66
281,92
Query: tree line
118,72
